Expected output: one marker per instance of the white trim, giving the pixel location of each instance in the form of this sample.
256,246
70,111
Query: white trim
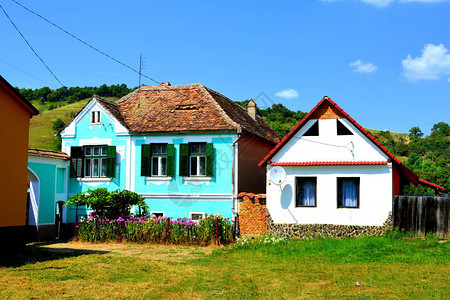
158,180
94,179
186,196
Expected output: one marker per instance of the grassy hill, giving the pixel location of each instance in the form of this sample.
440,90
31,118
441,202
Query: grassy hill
41,132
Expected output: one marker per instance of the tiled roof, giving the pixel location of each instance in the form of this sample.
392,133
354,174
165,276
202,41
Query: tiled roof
112,108
330,163
410,175
185,108
48,154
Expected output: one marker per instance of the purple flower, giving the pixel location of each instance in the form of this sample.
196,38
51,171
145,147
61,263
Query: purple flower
120,219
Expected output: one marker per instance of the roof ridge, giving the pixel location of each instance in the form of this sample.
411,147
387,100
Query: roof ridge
206,91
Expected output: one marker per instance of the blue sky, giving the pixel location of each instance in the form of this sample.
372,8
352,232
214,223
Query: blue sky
385,62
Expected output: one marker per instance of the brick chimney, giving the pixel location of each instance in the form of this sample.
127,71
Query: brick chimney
251,108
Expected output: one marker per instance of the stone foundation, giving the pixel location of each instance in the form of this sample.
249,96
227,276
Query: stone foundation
306,231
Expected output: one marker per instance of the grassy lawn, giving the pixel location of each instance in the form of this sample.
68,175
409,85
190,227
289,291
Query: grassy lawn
299,269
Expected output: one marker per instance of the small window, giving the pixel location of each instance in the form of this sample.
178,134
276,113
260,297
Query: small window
306,191
313,130
157,214
342,129
95,117
197,159
197,216
348,192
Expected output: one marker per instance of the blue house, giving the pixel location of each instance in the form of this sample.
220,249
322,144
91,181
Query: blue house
188,150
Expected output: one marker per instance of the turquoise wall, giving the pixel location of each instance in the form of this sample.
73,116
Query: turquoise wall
182,208
46,174
60,177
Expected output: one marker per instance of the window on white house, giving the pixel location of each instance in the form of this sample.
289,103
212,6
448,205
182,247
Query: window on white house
95,161
95,117
313,130
197,159
342,129
348,192
306,191
159,159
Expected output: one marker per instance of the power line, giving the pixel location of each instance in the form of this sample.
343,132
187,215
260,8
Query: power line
26,73
85,43
30,45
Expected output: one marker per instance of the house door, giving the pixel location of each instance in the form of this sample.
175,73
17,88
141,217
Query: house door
59,218
33,196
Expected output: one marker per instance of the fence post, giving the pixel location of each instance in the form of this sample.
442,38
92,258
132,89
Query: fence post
76,224
217,231
167,231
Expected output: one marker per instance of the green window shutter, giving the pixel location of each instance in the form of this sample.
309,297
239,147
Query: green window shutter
170,160
146,155
209,160
111,162
76,162
184,159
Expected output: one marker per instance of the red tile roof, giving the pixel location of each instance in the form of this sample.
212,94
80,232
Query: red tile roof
330,163
432,185
48,154
410,175
184,108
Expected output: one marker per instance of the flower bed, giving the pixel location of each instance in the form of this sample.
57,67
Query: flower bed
181,231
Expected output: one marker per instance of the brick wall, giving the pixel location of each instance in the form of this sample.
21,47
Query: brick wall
252,214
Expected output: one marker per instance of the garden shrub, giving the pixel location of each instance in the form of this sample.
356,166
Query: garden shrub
146,229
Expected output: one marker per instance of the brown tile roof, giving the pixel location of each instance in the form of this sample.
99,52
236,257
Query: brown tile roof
48,154
184,108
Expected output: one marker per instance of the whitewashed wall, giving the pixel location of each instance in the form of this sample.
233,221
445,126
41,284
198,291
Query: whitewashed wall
375,200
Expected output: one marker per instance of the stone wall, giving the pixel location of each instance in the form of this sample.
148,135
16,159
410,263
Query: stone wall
254,219
305,231
252,214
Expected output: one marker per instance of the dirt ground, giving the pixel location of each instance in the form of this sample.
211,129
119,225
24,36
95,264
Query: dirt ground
146,251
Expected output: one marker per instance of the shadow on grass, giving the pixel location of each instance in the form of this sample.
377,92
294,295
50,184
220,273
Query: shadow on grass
38,253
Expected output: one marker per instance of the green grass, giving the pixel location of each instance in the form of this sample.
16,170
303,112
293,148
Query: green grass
41,133
301,269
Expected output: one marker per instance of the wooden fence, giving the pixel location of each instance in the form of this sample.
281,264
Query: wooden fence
422,214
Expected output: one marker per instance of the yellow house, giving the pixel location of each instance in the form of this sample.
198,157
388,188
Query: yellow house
15,114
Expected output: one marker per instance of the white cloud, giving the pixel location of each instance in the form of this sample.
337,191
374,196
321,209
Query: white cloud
288,94
384,3
363,67
378,3
432,65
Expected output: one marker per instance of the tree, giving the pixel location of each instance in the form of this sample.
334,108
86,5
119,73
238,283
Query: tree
415,133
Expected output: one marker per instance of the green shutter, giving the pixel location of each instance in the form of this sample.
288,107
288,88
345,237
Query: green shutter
146,155
209,160
76,162
111,162
170,160
184,160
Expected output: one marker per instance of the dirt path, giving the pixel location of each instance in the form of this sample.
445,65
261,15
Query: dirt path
152,252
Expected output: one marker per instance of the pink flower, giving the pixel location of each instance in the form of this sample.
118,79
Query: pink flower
358,283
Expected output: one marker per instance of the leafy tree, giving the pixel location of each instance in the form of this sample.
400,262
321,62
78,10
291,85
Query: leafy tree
415,132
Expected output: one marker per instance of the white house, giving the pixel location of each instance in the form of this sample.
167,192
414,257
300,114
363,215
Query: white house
336,172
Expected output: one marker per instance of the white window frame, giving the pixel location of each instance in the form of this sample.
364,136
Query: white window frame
197,157
158,212
196,213
95,117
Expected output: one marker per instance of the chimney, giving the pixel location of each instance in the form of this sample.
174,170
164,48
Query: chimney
251,108
165,84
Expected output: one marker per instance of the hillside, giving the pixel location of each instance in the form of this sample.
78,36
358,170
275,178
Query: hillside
41,132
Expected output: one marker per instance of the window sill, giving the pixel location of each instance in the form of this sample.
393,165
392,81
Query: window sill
95,179
197,180
158,180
